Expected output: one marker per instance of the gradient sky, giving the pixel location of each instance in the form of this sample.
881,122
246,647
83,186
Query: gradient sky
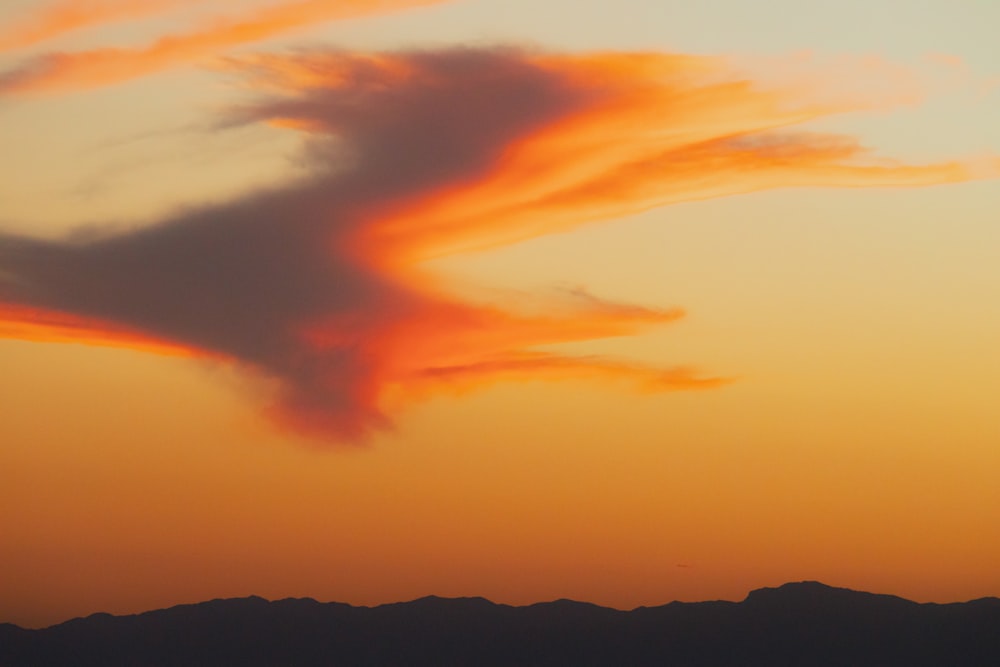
624,302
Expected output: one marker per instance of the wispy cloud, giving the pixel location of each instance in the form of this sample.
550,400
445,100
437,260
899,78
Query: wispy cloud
80,70
58,18
322,286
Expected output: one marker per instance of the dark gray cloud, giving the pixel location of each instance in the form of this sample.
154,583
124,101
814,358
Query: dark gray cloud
245,279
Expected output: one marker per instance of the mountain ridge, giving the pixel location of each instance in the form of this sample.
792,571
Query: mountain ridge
800,623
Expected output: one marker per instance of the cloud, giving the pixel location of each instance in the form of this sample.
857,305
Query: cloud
322,286
81,70
59,18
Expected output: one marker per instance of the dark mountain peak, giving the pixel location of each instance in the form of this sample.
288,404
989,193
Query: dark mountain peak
570,610
816,594
798,588
218,603
438,601
434,605
299,602
563,603
810,585
10,629
794,589
441,598
222,605
985,602
304,606
249,599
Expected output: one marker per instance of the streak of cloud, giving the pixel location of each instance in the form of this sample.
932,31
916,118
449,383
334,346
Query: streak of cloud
59,18
322,286
95,68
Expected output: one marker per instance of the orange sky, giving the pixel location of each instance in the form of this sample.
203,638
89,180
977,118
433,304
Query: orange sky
469,265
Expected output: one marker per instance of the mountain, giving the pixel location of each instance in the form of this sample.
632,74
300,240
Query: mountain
801,624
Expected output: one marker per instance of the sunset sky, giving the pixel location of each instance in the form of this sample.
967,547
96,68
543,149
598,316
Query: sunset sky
625,302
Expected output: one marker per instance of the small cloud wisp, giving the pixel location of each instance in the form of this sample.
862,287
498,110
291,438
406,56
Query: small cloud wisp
58,71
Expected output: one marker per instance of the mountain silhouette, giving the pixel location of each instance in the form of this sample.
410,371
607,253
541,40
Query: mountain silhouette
802,624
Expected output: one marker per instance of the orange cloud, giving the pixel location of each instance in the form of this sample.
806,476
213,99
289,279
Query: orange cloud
667,129
41,326
62,17
322,286
102,67
68,15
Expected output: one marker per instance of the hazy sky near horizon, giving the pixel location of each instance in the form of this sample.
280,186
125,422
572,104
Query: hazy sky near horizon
622,302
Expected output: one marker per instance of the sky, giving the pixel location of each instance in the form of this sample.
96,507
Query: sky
625,302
